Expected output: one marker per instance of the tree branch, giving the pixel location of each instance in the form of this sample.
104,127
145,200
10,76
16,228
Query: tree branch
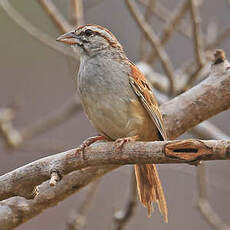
77,218
198,104
198,43
198,39
147,17
203,203
180,114
154,41
123,216
55,15
205,130
60,115
171,24
34,31
17,210
162,13
22,181
16,137
78,12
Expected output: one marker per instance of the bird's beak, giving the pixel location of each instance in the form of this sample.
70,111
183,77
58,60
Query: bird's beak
69,38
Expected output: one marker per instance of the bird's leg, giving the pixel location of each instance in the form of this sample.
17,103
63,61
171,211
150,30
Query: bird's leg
121,141
89,141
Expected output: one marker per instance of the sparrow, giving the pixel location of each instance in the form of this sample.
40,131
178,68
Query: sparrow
119,102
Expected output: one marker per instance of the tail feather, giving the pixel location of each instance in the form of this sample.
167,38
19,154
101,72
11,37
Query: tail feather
150,189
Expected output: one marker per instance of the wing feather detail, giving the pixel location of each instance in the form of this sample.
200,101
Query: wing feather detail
144,92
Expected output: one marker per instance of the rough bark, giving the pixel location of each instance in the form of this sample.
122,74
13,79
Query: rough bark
203,101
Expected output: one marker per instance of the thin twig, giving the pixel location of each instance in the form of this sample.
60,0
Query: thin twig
203,203
78,12
15,138
12,136
171,24
154,41
197,36
77,219
190,66
162,13
64,113
221,37
33,31
198,44
55,15
122,216
148,13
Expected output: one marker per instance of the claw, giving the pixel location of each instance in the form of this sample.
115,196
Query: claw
86,143
121,141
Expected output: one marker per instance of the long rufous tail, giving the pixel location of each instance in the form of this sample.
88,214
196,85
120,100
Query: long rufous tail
150,189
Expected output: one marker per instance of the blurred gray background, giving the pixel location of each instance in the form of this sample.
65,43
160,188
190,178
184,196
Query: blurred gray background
40,80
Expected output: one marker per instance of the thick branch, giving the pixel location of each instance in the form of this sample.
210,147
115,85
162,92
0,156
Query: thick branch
18,210
180,114
21,181
203,101
184,112
205,130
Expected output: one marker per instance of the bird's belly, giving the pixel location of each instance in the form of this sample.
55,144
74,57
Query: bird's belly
117,117
109,115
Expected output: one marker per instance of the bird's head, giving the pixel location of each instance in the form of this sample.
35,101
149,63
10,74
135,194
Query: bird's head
91,40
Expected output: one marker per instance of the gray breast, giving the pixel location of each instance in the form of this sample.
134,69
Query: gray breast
105,92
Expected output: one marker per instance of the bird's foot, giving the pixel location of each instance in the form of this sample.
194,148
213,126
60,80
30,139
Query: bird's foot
121,141
86,143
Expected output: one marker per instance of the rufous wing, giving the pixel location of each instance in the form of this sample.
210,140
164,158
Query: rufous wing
144,92
148,181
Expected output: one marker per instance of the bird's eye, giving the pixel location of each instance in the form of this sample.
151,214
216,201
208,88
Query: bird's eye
88,33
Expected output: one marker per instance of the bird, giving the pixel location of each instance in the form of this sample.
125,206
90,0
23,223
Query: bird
118,101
